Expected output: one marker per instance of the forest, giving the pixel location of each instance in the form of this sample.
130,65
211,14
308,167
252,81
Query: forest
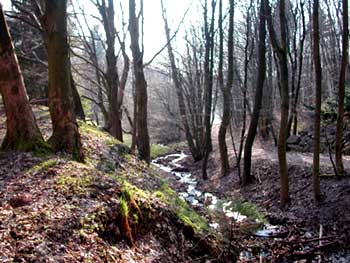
174,131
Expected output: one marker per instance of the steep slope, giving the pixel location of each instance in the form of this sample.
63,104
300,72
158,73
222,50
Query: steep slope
113,208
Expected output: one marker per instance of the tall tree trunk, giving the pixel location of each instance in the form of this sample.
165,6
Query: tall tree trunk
143,142
341,91
267,109
247,176
226,89
301,60
281,52
114,112
22,131
318,78
208,83
65,135
293,119
247,58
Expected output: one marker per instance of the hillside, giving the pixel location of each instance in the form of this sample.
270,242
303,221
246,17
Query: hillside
112,208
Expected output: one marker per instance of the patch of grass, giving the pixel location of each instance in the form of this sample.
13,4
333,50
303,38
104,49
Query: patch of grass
182,209
159,150
249,210
86,128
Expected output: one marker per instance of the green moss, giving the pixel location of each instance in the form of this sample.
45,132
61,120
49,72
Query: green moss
86,128
42,148
93,222
181,208
135,218
72,184
123,207
43,165
110,141
127,192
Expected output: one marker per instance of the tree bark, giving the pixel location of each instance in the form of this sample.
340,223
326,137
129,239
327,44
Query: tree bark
208,84
226,89
22,131
318,79
341,91
114,112
280,50
143,142
65,135
78,107
247,176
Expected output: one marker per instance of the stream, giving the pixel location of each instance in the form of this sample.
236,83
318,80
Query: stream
171,164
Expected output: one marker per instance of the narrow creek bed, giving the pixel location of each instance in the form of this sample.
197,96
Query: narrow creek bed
208,201
170,164
260,241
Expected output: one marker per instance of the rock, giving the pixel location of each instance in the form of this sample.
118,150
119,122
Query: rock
293,139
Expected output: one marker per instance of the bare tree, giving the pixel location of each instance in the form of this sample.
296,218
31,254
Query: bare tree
208,82
247,176
341,91
142,137
318,86
196,153
226,89
280,50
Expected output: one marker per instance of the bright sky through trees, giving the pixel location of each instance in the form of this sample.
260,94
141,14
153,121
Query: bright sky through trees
154,38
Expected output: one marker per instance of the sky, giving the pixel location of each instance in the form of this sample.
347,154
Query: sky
154,37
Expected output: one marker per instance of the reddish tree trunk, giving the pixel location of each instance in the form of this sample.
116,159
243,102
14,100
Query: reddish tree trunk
22,131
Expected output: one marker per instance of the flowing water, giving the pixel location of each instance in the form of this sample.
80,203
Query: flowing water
171,164
195,197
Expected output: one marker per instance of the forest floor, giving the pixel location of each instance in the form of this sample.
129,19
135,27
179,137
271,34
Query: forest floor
53,209
303,219
112,208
